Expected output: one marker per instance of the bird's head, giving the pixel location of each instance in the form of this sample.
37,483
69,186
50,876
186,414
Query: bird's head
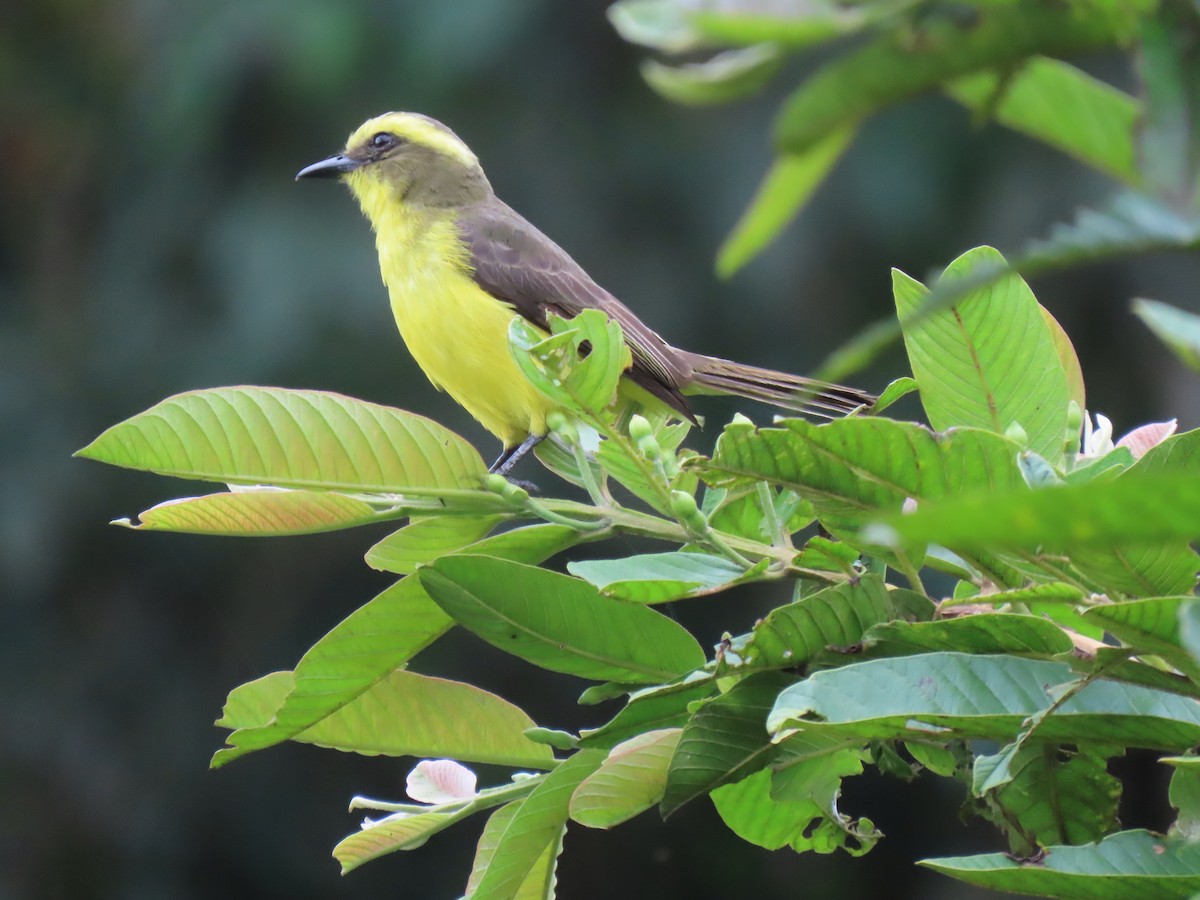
408,159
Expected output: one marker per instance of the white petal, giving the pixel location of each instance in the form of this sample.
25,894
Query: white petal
440,781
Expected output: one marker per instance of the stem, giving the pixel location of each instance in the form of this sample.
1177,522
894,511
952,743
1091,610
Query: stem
910,572
485,799
599,496
770,516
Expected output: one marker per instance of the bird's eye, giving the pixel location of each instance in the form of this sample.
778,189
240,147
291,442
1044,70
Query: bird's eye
384,141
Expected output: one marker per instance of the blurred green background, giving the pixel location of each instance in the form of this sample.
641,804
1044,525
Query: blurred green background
152,241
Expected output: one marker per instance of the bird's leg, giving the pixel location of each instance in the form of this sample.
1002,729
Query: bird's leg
513,455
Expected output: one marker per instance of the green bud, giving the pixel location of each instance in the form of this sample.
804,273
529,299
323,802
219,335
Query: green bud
639,428
1014,432
555,420
1074,419
684,508
497,484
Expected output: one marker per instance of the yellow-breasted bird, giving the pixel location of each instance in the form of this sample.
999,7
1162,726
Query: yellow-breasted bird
459,263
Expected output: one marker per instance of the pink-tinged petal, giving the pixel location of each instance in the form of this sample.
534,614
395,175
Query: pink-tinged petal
440,781
909,506
1143,438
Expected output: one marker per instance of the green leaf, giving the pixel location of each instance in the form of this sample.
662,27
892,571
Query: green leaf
837,616
965,696
1011,633
579,365
536,825
1177,329
659,577
403,714
298,439
899,65
725,740
260,513
629,781
1184,796
426,539
741,511
788,185
374,640
1123,865
1150,626
896,389
1136,527
541,881
852,469
658,24
988,361
816,22
1051,795
395,832
1062,106
754,815
651,709
727,76
559,622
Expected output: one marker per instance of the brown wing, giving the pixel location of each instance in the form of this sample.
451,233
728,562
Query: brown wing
515,262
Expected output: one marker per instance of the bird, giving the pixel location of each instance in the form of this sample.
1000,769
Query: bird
459,263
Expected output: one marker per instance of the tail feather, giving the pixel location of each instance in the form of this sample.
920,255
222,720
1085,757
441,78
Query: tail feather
793,393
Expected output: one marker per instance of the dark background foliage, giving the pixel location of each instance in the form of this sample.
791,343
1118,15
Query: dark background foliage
152,241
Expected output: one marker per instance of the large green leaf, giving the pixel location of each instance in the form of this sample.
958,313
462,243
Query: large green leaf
960,695
659,577
1122,866
838,616
540,882
1150,626
1129,534
1053,795
988,361
988,633
629,781
298,439
1062,106
426,539
403,714
899,65
725,740
559,622
753,812
374,640
536,824
792,179
851,469
261,513
1137,507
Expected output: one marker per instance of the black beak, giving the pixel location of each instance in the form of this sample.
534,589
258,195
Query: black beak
329,168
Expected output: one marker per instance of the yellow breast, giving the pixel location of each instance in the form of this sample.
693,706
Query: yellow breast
456,332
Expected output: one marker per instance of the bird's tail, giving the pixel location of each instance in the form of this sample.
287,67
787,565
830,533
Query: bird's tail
793,393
